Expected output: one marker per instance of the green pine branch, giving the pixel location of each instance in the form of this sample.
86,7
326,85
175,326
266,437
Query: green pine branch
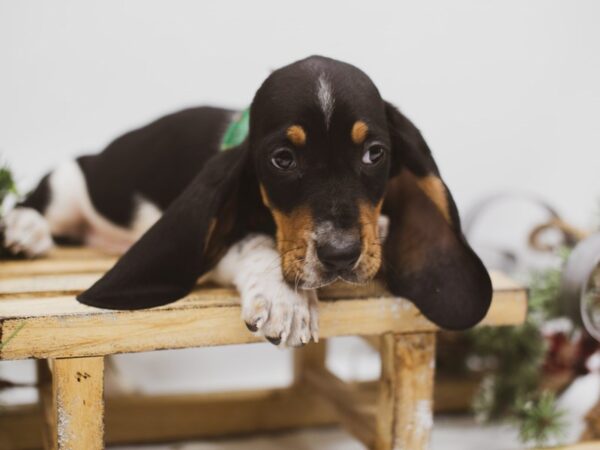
539,419
544,290
513,358
7,184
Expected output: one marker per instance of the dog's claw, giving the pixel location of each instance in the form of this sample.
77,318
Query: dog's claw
287,318
274,340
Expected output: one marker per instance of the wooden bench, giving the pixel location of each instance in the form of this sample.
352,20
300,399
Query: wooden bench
40,318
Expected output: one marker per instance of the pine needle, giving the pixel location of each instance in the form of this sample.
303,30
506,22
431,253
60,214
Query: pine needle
7,184
539,419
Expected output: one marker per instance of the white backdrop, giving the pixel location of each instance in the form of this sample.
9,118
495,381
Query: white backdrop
507,92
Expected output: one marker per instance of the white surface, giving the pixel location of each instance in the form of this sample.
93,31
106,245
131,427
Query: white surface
506,93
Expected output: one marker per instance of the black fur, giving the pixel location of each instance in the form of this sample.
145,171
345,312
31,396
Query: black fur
164,265
155,162
426,257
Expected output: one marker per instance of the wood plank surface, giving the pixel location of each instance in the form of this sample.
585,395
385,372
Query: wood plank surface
356,416
40,317
405,405
43,327
62,260
77,388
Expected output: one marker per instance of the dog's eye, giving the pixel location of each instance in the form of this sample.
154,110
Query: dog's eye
283,159
373,154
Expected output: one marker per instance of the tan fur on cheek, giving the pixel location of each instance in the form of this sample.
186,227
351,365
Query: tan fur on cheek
359,132
293,230
371,245
296,135
435,190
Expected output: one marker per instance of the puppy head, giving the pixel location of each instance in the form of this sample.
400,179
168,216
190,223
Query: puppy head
321,149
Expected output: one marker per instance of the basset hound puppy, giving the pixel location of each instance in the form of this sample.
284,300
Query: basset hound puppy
298,204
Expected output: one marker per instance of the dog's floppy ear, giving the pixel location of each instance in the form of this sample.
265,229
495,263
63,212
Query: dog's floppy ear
427,258
165,263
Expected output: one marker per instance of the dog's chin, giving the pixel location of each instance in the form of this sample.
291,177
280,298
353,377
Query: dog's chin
327,278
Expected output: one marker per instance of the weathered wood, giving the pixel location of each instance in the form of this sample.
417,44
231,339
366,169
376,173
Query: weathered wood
311,355
47,405
55,285
354,415
77,385
405,410
20,427
373,341
592,420
49,266
455,394
136,419
206,317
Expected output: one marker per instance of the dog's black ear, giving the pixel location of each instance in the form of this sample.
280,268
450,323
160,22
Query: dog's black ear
166,262
427,258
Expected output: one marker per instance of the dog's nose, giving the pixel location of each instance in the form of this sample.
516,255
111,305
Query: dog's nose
339,257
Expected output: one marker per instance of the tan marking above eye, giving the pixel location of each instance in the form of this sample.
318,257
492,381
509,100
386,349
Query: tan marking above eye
359,132
291,233
296,135
433,187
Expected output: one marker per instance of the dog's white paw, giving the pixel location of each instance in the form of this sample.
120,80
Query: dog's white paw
27,232
280,314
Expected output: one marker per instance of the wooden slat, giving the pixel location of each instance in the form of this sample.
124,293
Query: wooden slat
358,418
405,409
189,416
49,327
20,427
139,419
77,388
455,394
73,282
37,301
46,403
54,285
60,261
313,355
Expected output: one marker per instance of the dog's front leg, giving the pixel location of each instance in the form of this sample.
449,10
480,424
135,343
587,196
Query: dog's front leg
270,306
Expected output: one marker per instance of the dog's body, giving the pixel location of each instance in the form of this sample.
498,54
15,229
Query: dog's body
324,157
114,196
111,199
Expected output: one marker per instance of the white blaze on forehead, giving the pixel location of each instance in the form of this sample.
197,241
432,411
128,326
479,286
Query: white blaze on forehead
325,95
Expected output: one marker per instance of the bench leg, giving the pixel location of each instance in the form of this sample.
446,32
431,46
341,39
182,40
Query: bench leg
73,406
48,417
307,357
404,411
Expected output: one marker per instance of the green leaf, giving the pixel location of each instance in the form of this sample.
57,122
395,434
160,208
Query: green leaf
237,130
539,419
